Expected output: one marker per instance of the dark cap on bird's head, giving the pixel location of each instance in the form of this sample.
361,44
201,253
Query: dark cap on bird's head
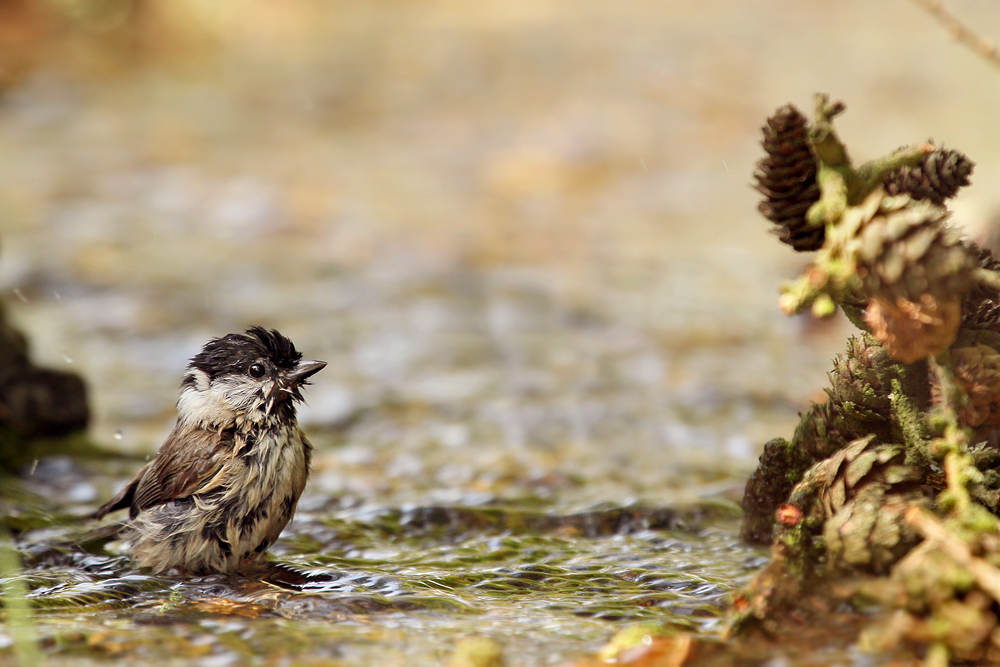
259,354
236,352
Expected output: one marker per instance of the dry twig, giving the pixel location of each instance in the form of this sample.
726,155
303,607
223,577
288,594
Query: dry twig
987,576
961,32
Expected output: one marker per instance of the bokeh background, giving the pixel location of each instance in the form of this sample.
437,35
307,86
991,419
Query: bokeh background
388,182
521,232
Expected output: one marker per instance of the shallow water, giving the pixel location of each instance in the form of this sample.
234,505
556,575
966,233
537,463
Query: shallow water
377,586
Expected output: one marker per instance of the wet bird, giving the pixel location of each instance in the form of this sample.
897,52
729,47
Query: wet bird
227,479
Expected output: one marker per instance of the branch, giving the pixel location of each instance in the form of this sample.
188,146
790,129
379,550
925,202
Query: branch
988,278
871,173
961,32
987,576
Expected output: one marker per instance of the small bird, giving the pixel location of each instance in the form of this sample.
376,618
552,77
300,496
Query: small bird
226,481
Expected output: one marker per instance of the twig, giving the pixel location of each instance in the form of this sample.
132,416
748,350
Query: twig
953,443
987,576
961,32
988,278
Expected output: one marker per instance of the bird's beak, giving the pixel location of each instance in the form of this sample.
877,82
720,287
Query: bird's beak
287,386
304,370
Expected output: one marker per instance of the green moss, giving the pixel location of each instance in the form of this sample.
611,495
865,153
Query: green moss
912,425
781,467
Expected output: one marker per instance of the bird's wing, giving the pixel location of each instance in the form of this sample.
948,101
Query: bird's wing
189,458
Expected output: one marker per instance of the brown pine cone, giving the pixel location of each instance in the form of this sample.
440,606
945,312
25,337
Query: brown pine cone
862,493
820,433
981,308
915,269
937,178
859,405
780,467
912,331
977,371
905,249
823,429
787,179
863,376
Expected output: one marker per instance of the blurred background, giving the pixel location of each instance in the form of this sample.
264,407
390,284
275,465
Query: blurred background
522,233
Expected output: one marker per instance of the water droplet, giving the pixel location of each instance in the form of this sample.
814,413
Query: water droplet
118,434
34,464
68,359
20,295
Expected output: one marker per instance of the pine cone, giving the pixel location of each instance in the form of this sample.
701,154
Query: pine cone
787,179
937,178
823,430
986,458
915,270
977,371
859,496
868,489
780,467
981,308
858,404
913,331
826,428
863,376
904,249
820,433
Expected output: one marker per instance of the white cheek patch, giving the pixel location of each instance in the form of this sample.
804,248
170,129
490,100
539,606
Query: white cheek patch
240,392
217,402
196,378
203,408
202,380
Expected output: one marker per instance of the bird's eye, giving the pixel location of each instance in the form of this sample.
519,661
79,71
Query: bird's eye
256,371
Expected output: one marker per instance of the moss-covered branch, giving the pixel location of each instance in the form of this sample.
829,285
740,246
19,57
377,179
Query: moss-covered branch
913,413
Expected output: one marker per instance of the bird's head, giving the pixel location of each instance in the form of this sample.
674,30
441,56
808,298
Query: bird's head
249,376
